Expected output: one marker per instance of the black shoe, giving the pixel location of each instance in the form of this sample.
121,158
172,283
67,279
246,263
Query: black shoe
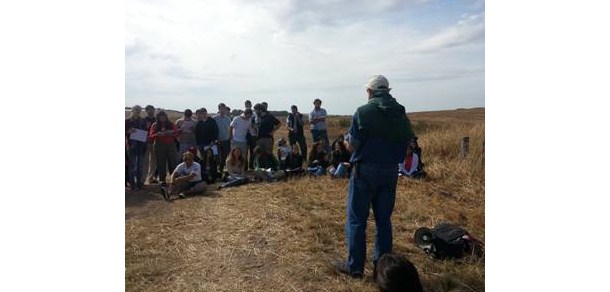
342,268
165,193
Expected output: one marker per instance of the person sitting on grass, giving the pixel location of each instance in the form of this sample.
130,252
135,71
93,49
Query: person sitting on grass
186,179
317,162
209,169
283,150
294,161
266,165
235,175
339,159
396,273
411,167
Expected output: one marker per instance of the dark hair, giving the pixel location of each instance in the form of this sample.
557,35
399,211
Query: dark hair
294,107
396,273
257,107
317,100
188,113
260,151
149,107
222,104
313,154
341,145
167,124
248,101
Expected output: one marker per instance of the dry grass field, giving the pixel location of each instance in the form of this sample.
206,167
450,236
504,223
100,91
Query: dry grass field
283,236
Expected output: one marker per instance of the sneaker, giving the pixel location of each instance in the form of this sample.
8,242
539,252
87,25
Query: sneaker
165,193
342,268
182,195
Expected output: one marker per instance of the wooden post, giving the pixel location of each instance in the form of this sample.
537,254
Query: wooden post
464,148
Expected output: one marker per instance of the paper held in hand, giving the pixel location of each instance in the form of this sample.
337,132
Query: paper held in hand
139,135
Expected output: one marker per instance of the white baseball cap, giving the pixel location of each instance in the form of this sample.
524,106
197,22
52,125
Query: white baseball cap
378,82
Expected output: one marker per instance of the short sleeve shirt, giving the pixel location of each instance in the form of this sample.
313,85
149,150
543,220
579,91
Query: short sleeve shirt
183,170
240,128
267,123
317,114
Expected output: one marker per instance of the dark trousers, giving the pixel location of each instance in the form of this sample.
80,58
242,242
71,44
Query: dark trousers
320,135
224,147
296,138
251,146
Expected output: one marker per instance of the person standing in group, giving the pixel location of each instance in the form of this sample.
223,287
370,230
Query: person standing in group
252,135
223,121
206,131
163,132
247,105
317,124
135,149
295,124
378,136
267,125
186,133
150,165
238,132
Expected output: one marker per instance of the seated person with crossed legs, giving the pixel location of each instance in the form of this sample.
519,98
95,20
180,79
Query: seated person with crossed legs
186,178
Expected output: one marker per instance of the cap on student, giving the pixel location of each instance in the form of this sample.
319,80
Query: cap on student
378,82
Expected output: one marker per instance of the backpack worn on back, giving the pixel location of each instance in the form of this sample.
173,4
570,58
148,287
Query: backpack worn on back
446,241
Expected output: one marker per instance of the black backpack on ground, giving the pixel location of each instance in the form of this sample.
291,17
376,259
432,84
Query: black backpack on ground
447,241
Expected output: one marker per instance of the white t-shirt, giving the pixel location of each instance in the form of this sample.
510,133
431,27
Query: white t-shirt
240,128
183,170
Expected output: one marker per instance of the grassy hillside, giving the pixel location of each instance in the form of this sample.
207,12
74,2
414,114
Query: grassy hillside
283,236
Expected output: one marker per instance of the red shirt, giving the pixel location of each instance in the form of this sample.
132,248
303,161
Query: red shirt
408,161
163,139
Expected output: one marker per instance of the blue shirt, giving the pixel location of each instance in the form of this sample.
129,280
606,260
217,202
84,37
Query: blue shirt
223,123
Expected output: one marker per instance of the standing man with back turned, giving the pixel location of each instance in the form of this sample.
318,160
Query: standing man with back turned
378,137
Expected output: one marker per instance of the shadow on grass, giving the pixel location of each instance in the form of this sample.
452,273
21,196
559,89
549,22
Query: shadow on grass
139,203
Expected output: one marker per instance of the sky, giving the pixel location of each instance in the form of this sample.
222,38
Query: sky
192,54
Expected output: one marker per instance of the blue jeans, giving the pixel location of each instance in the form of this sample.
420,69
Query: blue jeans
370,184
136,164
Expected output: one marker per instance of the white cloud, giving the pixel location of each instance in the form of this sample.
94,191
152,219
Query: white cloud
188,53
470,29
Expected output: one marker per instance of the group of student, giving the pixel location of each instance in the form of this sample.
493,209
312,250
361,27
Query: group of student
235,150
